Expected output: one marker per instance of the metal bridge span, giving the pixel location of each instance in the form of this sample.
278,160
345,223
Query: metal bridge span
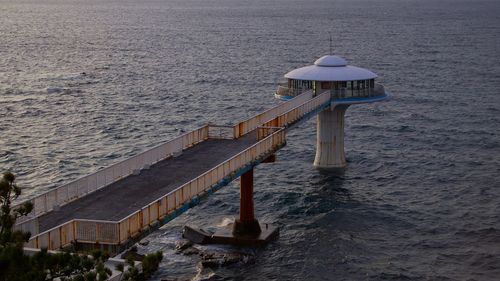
105,207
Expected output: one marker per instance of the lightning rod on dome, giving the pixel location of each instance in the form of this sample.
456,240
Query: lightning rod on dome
331,53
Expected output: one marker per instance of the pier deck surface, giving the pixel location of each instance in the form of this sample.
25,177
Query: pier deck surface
122,198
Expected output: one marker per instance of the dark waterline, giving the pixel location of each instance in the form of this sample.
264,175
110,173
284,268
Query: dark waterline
86,84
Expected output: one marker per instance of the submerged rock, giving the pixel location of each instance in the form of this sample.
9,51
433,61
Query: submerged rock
186,247
221,259
212,277
183,244
132,254
191,251
144,242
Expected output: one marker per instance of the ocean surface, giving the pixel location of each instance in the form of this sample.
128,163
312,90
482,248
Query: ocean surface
84,84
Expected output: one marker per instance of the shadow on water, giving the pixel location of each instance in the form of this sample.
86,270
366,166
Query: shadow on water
332,172
330,183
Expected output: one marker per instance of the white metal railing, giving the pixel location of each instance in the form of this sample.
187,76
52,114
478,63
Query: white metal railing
298,112
270,135
110,232
64,194
278,116
28,225
220,132
291,92
91,231
134,223
252,123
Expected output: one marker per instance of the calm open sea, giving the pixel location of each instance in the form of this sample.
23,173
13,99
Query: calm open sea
84,84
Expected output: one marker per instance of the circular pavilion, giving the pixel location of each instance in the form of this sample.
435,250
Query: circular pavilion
347,85
332,73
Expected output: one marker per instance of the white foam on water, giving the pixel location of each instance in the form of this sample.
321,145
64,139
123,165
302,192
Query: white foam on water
225,222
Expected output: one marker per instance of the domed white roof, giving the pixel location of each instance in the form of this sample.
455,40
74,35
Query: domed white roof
330,68
330,61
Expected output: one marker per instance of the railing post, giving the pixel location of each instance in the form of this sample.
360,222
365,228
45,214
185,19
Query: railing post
129,233
96,232
73,227
159,207
119,233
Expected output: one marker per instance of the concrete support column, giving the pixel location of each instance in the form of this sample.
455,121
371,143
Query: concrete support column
246,224
330,138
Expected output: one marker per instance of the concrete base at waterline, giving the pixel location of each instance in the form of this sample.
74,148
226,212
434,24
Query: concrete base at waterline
226,235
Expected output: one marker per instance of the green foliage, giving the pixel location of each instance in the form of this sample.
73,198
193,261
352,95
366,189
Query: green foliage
47,266
15,265
9,191
69,266
150,264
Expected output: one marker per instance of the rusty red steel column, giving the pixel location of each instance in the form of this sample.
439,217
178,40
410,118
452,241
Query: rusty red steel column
246,197
246,224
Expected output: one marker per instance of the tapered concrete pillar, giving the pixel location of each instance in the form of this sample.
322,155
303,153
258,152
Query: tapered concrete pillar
330,138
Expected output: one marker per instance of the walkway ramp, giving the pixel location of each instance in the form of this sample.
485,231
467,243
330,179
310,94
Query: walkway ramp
126,200
123,197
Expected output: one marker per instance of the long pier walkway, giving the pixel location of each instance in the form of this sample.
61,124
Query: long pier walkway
116,201
122,202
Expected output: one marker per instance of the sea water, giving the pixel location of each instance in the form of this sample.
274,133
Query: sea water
85,84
